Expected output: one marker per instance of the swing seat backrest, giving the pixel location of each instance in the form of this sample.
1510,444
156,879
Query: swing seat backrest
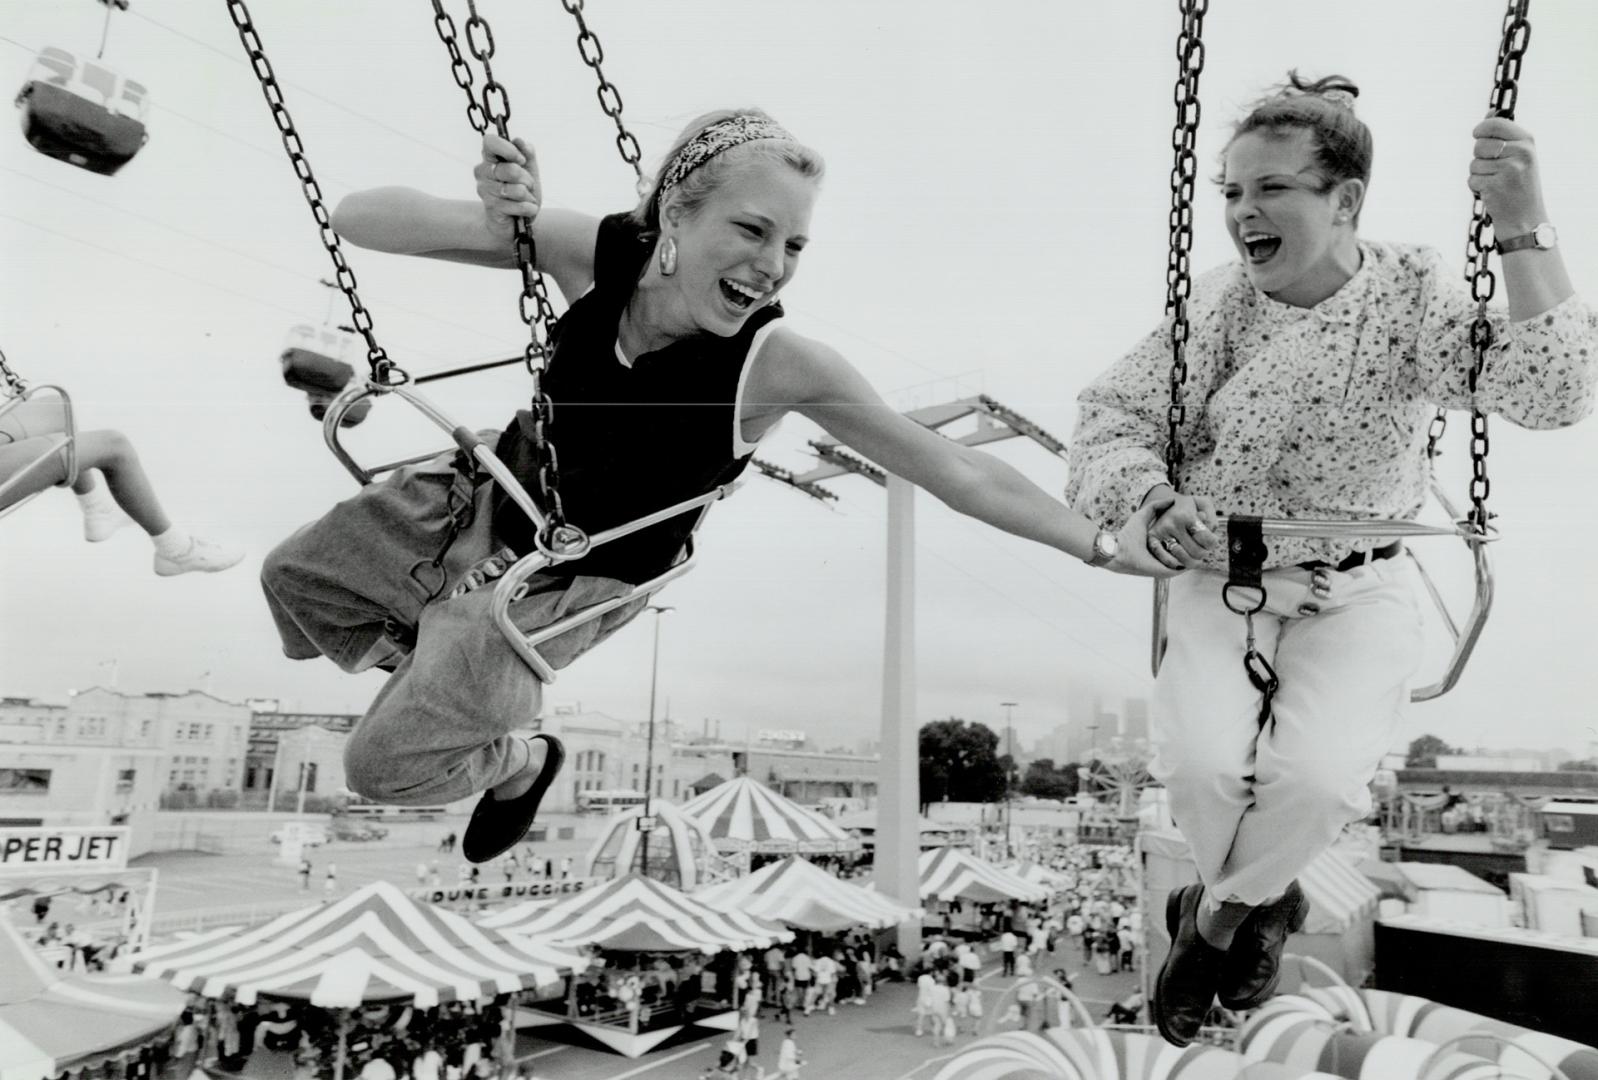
507,591
56,444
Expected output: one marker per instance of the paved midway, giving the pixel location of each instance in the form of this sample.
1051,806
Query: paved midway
875,1041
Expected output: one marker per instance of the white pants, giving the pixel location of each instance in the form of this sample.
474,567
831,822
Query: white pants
1258,805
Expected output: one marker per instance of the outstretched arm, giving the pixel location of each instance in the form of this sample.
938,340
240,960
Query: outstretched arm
794,374
479,232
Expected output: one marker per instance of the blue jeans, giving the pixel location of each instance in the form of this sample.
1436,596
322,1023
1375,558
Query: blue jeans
442,728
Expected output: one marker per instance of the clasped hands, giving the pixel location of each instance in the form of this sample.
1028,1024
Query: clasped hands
1183,530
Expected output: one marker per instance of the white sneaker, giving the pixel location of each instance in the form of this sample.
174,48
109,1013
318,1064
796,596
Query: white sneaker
101,524
203,556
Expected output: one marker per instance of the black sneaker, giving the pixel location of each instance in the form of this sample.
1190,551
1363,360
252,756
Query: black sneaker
495,826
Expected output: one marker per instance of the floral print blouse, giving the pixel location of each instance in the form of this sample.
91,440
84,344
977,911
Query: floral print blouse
1322,412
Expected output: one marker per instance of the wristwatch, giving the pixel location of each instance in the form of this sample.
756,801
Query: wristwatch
1543,237
1106,545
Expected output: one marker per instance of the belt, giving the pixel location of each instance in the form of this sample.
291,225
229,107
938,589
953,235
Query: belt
1358,558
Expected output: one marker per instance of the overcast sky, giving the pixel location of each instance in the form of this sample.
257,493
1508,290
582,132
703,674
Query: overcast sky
993,220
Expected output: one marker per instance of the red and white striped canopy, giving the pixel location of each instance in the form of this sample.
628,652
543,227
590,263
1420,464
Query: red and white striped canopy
745,815
638,914
797,892
51,1021
954,874
375,945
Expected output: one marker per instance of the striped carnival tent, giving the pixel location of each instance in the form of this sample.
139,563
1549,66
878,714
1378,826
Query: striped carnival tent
1071,1054
1290,1021
52,1021
1339,932
678,850
375,945
955,874
745,815
637,914
801,894
1038,874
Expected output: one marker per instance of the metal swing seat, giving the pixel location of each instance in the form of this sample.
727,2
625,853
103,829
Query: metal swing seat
1475,529
555,545
1464,635
557,540
64,441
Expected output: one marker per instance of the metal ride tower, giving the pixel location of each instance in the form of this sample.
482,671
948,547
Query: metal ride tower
898,781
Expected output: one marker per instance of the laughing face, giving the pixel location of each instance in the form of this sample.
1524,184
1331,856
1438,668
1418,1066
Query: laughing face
1295,239
742,245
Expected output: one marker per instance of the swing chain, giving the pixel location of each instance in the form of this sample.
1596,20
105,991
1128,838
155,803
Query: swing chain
384,371
16,385
533,305
1184,176
444,24
593,54
1506,86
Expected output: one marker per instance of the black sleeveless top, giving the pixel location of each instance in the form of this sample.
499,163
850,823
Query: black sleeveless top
630,441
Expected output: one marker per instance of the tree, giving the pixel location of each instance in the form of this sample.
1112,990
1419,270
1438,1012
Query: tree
1579,765
1423,752
1045,781
960,763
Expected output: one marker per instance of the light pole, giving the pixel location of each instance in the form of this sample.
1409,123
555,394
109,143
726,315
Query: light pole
1009,773
645,823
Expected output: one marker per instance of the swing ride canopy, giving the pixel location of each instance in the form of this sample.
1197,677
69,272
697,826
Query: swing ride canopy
52,1021
638,914
801,894
745,815
954,874
375,945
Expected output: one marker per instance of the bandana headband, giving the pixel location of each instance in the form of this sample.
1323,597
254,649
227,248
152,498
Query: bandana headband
712,140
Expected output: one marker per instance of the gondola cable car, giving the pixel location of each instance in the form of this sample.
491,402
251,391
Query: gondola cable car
313,361
81,111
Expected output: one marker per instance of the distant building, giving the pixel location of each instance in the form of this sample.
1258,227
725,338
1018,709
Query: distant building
1489,763
1135,719
309,759
108,758
267,727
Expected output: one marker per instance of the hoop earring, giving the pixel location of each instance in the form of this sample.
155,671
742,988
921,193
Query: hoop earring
668,257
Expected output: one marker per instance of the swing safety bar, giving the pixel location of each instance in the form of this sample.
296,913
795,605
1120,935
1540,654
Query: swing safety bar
506,591
1464,637
67,440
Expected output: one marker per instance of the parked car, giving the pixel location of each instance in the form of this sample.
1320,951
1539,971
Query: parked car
345,828
310,835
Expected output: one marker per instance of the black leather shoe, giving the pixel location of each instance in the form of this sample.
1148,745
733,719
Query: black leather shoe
496,827
1254,962
1185,987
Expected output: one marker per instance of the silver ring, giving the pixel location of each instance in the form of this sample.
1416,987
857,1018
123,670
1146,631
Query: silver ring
1171,543
502,189
1502,145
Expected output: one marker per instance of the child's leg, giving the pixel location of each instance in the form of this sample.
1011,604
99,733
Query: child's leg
113,455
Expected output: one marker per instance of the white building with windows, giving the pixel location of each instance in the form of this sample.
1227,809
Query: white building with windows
107,758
